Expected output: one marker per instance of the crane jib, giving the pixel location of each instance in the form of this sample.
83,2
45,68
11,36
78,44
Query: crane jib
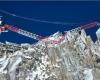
20,31
90,25
38,37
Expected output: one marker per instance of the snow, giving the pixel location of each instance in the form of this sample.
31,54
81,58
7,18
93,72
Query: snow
3,58
98,33
4,64
56,36
15,64
88,74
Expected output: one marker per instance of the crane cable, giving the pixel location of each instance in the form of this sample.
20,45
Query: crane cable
36,20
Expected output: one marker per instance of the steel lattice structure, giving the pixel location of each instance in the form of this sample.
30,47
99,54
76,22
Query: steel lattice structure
38,37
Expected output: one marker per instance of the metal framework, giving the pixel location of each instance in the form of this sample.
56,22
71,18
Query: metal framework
37,37
20,31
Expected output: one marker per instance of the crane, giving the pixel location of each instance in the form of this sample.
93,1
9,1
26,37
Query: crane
90,25
20,31
6,27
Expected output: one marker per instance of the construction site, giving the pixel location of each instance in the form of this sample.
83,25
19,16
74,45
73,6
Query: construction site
69,56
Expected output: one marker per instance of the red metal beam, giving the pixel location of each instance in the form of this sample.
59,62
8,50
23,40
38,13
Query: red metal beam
90,25
37,37
20,31
3,28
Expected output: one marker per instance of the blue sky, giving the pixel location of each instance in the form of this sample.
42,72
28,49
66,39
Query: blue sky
79,13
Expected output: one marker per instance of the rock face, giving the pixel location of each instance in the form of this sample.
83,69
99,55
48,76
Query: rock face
77,57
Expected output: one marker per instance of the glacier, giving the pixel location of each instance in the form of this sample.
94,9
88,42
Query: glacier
77,57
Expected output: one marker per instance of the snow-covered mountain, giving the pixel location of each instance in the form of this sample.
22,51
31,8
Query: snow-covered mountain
77,57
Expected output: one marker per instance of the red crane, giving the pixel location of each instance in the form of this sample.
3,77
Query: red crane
20,31
90,25
37,37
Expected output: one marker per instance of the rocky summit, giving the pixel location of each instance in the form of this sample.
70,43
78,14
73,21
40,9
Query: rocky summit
77,57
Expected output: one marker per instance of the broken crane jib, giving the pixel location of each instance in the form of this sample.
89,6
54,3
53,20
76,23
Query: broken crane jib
37,37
